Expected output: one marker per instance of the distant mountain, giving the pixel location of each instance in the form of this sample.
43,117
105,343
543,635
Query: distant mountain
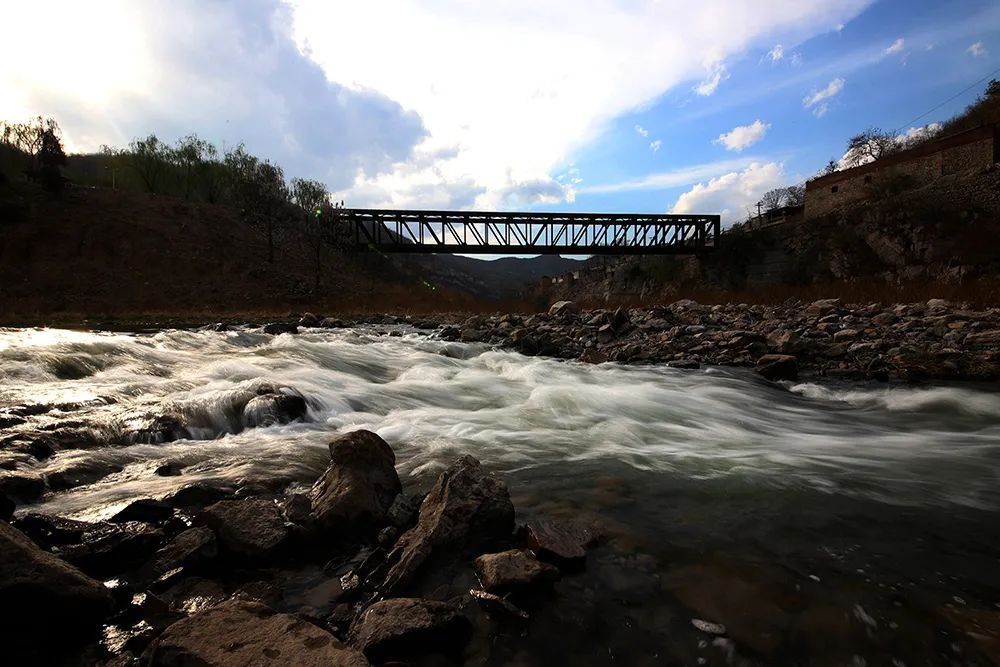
495,279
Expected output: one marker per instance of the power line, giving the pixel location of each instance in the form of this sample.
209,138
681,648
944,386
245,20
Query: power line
956,95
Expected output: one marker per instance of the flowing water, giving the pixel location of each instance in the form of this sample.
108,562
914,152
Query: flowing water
820,523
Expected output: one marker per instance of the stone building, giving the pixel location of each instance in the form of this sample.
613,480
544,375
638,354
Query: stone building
972,150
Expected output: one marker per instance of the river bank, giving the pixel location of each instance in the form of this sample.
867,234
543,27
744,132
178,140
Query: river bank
210,486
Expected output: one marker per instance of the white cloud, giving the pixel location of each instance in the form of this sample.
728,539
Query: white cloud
776,54
895,47
732,194
716,74
333,107
821,110
832,89
674,178
655,145
977,50
641,131
743,136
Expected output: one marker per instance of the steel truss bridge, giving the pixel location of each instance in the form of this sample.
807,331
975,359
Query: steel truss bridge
494,233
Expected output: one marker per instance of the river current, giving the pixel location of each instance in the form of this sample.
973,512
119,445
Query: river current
820,523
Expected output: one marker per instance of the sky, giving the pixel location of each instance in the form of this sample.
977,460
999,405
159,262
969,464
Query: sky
645,106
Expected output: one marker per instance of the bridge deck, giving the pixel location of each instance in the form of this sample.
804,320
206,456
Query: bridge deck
478,232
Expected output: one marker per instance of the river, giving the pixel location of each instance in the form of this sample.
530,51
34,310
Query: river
820,523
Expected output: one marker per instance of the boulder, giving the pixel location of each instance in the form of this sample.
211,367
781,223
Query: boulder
402,628
359,486
42,594
606,334
564,308
494,605
147,510
684,364
7,507
515,570
273,408
238,632
277,328
983,338
250,527
778,367
197,496
107,549
191,547
466,508
22,487
561,543
309,320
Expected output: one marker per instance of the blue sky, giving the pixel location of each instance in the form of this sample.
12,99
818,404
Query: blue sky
609,105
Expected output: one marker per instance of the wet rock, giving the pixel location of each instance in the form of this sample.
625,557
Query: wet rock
592,355
403,628
273,408
197,496
191,547
147,510
494,605
22,487
466,508
983,338
277,328
515,570
450,333
7,507
470,335
309,320
194,594
107,549
170,469
237,633
250,527
297,508
684,364
51,531
606,334
264,592
561,543
9,421
80,473
359,486
43,594
778,367
564,308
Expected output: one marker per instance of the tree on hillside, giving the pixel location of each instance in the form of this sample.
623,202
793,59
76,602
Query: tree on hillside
772,199
149,158
870,145
194,157
261,189
317,217
993,88
50,158
27,138
830,168
795,195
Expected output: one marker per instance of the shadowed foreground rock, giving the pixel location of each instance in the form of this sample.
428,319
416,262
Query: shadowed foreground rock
406,627
778,367
45,599
514,570
467,507
237,633
561,543
359,486
249,527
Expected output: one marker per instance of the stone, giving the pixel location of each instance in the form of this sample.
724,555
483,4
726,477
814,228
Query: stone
561,543
43,594
191,547
22,487
466,508
250,527
147,510
564,308
494,605
684,364
983,338
273,408
10,421
606,334
106,549
778,367
846,335
359,486
470,335
402,628
239,632
309,320
169,469
7,507
593,356
277,328
297,508
516,570
197,496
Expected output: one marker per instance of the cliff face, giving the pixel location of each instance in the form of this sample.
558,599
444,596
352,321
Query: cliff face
946,233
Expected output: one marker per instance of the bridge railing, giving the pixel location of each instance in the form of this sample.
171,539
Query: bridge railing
477,232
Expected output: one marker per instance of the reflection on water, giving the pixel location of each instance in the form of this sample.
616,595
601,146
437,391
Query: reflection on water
820,524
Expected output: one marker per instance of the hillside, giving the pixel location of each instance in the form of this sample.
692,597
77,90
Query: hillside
98,253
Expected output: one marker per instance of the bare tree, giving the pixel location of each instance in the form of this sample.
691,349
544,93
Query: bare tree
149,158
795,195
317,214
260,187
773,199
28,138
194,157
870,145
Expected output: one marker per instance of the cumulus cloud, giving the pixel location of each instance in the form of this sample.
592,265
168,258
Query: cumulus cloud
673,178
655,145
743,136
716,74
895,47
641,131
733,194
776,54
230,72
977,50
820,97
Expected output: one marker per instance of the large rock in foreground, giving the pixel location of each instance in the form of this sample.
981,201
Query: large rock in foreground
237,633
401,628
250,527
778,367
359,486
43,594
467,507
513,571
